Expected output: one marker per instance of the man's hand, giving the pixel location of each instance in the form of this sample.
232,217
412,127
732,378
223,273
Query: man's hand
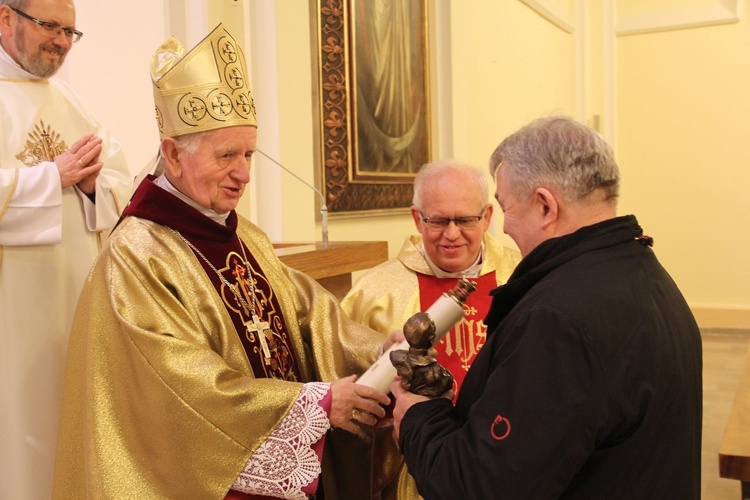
80,163
404,401
354,404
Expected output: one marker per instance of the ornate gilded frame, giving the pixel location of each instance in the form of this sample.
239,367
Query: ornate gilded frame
349,189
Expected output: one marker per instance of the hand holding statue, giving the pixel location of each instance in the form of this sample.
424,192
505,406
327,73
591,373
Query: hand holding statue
405,400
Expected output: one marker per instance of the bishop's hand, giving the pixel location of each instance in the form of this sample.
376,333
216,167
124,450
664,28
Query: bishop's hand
353,405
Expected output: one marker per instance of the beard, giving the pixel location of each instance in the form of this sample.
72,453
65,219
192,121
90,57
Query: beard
33,60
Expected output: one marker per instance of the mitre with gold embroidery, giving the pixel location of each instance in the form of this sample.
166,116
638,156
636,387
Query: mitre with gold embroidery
204,89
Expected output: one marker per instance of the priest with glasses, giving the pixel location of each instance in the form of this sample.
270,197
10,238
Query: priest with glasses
452,214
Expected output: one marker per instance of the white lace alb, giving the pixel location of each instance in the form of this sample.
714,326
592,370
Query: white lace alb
285,462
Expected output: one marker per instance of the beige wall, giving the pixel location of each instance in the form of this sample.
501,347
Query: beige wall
109,67
682,132
682,137
674,103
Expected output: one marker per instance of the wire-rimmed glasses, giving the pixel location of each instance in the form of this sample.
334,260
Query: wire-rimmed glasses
52,29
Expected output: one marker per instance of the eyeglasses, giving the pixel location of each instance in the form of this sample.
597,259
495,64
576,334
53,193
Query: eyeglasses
53,29
463,222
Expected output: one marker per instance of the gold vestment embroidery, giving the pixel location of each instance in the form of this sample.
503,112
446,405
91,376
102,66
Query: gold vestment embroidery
43,144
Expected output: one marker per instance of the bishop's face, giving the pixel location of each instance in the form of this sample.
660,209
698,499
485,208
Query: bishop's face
35,49
215,175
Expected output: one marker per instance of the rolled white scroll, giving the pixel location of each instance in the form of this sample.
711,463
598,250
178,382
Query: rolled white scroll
445,312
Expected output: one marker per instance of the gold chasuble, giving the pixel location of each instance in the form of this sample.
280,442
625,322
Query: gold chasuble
173,380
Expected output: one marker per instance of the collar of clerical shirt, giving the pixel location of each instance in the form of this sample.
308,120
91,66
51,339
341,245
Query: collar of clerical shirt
470,272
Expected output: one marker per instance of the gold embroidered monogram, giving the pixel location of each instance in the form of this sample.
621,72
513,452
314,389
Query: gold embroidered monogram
466,339
43,144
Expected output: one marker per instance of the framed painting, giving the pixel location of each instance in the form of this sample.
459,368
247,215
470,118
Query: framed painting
374,102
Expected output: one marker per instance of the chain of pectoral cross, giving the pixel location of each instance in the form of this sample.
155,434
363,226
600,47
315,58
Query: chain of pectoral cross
254,324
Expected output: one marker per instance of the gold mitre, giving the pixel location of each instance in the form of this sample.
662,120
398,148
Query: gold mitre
204,89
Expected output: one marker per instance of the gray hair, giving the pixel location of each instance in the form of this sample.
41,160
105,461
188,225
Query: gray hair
557,152
429,171
188,143
15,4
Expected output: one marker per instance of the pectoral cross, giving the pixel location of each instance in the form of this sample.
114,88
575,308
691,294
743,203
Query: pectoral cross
261,328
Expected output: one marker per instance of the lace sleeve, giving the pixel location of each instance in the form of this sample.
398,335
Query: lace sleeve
287,462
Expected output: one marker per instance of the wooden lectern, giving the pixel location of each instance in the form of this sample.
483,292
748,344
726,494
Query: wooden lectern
333,263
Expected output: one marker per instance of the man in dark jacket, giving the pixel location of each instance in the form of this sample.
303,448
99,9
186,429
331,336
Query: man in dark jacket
589,384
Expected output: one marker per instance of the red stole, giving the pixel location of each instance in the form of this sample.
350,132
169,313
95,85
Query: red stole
457,350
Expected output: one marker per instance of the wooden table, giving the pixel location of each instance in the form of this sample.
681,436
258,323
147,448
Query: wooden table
734,454
333,263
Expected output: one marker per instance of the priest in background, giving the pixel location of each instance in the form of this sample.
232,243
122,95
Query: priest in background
452,214
63,185
200,366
